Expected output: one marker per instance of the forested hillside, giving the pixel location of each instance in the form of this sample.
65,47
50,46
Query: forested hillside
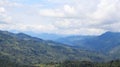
24,49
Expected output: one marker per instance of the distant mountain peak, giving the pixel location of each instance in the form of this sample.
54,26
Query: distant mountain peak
109,33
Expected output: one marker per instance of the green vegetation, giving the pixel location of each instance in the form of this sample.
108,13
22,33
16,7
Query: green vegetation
115,63
7,63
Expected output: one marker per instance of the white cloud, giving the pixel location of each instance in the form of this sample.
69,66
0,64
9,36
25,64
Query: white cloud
105,9
2,10
10,3
51,13
3,15
63,16
69,9
36,28
65,11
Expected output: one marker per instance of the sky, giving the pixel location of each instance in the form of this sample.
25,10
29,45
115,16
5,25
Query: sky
66,17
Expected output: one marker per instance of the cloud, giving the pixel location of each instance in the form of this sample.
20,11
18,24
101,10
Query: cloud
51,13
3,15
4,5
61,16
69,9
2,10
9,3
106,10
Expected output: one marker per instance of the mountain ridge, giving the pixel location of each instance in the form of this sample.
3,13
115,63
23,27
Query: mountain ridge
34,50
103,43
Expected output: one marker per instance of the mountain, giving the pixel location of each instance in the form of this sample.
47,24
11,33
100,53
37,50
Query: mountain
25,49
104,42
74,40
108,42
45,36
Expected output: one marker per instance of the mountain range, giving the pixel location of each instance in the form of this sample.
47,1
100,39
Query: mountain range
107,43
25,49
45,36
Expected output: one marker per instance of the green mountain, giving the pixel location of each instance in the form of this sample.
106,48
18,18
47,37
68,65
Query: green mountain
25,49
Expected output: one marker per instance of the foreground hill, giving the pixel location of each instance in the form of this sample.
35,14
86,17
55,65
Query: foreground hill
24,49
5,62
